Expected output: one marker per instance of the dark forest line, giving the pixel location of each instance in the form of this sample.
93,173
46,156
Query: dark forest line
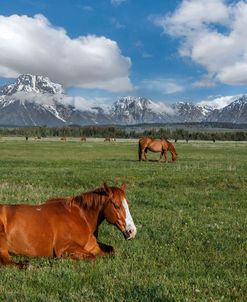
187,132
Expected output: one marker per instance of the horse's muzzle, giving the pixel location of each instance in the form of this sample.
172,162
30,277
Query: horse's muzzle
126,235
129,234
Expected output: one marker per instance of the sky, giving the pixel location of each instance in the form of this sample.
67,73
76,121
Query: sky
100,50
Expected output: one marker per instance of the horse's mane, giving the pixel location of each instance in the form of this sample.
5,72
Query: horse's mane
90,200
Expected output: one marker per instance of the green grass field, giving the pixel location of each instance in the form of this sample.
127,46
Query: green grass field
191,220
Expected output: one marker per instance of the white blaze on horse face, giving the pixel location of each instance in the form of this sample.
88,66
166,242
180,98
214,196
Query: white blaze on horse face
129,223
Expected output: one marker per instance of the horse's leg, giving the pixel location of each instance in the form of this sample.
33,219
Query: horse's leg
145,154
74,251
97,248
4,252
108,249
166,156
104,247
91,250
161,154
142,153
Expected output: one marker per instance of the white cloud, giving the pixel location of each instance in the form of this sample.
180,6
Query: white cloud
165,86
212,34
44,98
117,24
80,103
33,45
117,2
140,47
204,82
219,102
85,104
160,107
86,8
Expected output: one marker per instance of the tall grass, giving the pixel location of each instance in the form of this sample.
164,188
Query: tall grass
191,243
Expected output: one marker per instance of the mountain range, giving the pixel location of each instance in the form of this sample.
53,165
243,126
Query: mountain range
37,101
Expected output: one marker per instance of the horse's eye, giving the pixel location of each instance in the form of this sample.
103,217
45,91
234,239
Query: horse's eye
116,206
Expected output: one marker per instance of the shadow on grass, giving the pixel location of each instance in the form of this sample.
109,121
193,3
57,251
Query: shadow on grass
135,160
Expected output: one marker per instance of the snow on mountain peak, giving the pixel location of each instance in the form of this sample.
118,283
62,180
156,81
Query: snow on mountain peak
126,102
32,84
41,101
219,102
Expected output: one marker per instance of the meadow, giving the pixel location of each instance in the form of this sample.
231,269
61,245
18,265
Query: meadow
191,219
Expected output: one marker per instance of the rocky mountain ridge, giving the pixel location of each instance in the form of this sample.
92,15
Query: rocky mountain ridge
36,101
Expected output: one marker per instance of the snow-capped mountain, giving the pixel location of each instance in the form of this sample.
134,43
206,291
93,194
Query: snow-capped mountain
235,112
30,83
132,110
36,101
138,110
188,112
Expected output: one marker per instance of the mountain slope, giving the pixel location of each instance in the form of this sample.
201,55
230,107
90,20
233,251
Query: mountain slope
188,112
137,110
236,112
36,101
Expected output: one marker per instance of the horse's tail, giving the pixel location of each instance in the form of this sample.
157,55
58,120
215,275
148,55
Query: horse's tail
140,150
173,151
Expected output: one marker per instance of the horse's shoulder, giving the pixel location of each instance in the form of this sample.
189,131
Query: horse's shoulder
145,139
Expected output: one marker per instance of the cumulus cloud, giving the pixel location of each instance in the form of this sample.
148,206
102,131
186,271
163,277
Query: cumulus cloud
212,34
163,85
34,45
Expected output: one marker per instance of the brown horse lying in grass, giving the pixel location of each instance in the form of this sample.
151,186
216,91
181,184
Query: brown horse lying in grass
156,145
64,226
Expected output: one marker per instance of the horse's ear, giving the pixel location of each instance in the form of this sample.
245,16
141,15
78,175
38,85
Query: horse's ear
123,186
107,190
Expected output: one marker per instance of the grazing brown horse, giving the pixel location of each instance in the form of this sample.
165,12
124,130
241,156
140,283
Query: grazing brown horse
63,139
156,145
64,226
83,139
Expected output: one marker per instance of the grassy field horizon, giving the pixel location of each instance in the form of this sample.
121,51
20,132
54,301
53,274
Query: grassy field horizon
191,220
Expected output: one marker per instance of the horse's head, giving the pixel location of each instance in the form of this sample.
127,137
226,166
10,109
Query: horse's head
173,152
117,212
174,156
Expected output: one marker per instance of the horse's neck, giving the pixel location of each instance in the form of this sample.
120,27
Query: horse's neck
94,215
94,218
164,144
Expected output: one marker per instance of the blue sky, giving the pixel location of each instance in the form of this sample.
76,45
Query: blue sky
166,50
